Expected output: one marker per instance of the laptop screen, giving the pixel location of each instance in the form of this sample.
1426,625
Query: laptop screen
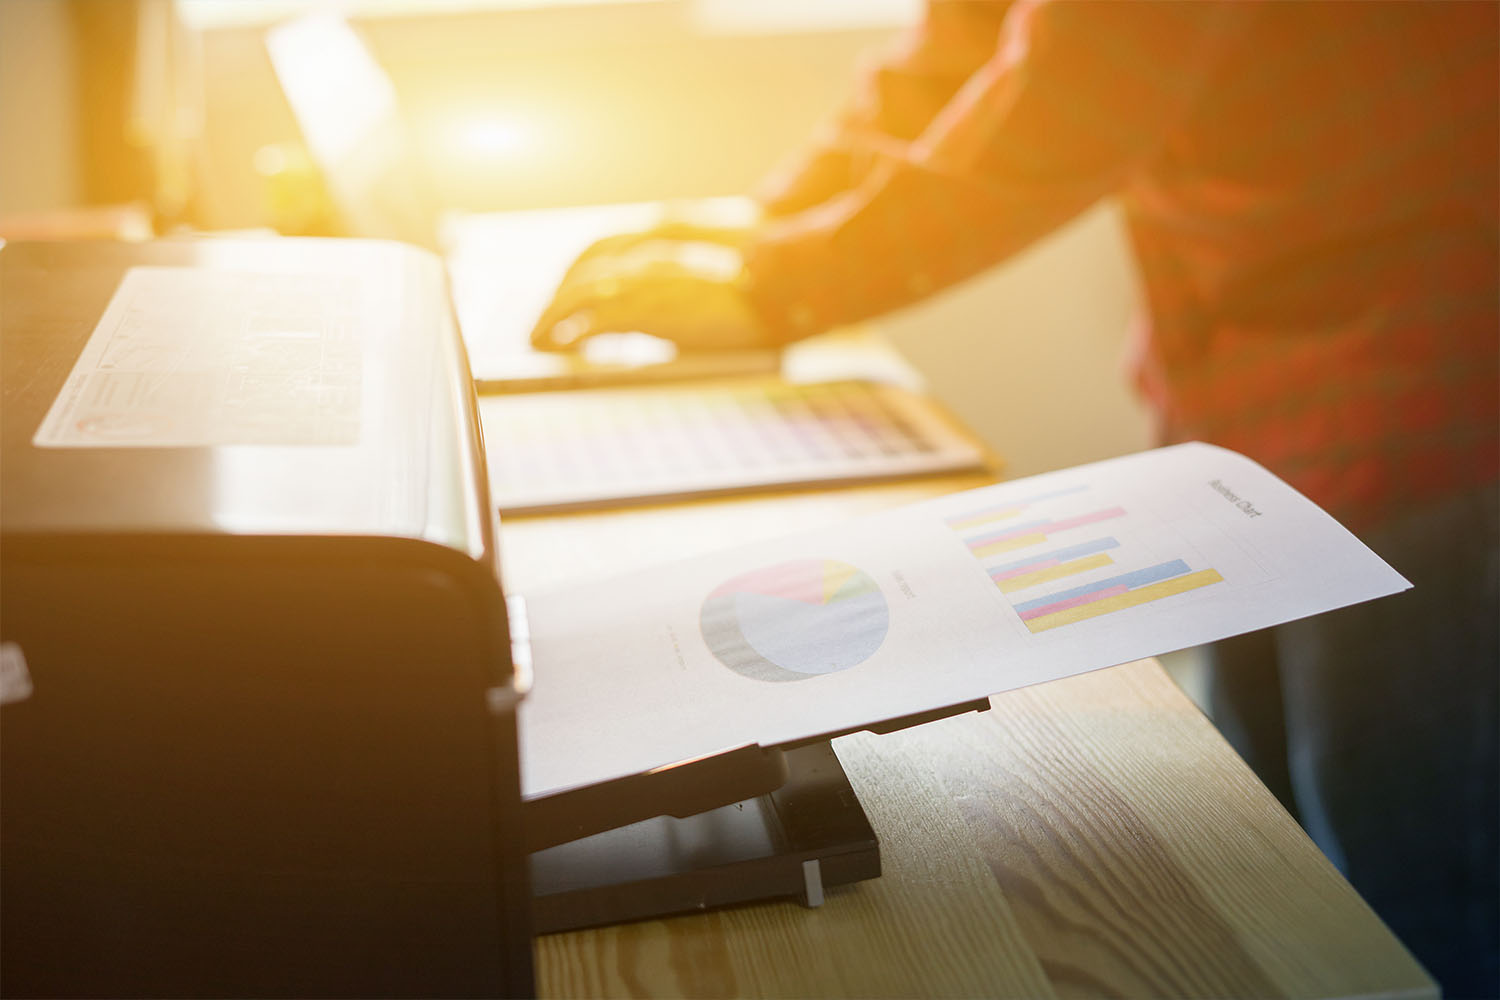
346,109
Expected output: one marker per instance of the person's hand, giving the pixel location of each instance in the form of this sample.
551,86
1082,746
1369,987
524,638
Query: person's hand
730,235
681,280
691,293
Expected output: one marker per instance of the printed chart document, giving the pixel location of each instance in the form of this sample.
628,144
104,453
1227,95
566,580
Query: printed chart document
925,607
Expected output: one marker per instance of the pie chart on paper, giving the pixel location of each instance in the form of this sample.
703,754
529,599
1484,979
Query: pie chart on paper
795,620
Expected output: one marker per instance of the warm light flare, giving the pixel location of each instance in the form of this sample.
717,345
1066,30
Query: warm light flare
490,137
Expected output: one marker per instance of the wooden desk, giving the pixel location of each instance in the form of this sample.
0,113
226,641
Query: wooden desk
1089,837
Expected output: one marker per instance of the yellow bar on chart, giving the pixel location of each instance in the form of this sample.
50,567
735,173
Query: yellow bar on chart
1057,572
1006,545
1142,595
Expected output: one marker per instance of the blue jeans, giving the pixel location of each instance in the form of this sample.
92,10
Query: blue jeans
1376,726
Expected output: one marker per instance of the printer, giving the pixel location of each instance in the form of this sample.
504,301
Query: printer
258,710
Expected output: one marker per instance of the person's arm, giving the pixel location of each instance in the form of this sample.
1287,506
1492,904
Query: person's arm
1074,96
893,102
644,281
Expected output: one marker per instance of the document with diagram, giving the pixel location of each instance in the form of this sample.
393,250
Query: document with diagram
925,607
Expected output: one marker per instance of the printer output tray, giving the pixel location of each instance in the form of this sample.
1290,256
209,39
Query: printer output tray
808,834
754,823
687,788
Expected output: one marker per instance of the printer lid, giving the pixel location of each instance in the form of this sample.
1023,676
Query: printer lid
236,386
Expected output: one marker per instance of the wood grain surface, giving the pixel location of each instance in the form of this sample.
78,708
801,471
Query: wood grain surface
1091,837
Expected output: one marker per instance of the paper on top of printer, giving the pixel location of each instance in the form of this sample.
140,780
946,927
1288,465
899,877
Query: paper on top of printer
925,607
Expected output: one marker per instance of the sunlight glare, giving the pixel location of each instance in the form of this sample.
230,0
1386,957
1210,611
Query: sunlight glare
491,137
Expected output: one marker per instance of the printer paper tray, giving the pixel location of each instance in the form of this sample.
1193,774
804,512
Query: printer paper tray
807,835
687,788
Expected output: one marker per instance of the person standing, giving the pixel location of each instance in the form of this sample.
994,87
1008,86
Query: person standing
1312,191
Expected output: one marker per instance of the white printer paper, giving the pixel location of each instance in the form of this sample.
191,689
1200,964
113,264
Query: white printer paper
925,607
186,356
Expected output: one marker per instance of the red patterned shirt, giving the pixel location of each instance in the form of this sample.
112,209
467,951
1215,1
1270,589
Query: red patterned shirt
1312,190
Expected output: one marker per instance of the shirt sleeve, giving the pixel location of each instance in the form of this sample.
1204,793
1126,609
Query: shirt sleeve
1072,96
893,103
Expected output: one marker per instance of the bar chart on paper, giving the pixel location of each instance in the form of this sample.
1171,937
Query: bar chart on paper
1063,556
926,607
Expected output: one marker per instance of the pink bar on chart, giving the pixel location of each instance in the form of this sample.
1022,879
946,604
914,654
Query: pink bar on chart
1073,602
1082,519
1045,528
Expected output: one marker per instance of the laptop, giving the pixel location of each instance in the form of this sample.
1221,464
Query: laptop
503,266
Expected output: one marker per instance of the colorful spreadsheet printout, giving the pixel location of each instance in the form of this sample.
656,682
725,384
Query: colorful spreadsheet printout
604,447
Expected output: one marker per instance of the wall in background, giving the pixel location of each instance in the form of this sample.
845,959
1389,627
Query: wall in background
1031,354
591,104
39,166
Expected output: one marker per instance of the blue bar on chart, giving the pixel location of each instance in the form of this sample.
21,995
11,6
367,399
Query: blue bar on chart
1113,594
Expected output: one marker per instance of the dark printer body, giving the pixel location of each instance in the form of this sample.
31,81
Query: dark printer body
258,734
